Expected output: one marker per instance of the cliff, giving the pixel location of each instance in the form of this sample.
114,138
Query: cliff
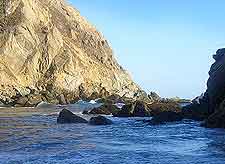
210,106
46,46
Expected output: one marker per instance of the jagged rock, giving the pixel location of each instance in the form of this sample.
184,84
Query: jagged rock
154,96
126,111
208,105
141,109
61,99
48,46
159,107
65,116
216,81
165,112
136,109
106,109
100,120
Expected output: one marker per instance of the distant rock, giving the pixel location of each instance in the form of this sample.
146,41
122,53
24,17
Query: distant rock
100,120
154,96
159,107
106,109
166,116
67,117
165,112
136,109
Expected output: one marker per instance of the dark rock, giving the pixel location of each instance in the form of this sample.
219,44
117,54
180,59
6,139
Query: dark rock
159,107
217,119
141,109
106,109
66,116
136,109
165,112
216,81
126,111
154,96
100,120
166,116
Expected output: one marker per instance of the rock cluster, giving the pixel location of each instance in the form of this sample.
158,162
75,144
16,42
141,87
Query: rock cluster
67,117
48,46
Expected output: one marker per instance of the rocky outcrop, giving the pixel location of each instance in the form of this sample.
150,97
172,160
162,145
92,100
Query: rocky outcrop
106,109
67,117
48,46
135,109
100,120
209,106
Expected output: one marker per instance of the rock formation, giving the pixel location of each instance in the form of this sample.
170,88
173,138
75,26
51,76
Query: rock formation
210,106
48,47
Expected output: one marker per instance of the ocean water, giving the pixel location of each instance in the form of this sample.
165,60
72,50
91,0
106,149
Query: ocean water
32,136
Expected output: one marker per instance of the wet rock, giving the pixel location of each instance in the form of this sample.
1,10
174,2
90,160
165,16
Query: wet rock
66,116
100,120
166,116
217,119
159,107
165,112
141,109
126,111
136,109
106,109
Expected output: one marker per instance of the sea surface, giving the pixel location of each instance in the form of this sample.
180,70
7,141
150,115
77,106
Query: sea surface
32,136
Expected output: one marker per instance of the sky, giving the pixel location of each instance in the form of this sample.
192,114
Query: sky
166,45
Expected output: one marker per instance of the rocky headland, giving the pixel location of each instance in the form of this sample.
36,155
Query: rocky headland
50,53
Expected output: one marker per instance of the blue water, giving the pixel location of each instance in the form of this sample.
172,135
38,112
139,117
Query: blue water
32,136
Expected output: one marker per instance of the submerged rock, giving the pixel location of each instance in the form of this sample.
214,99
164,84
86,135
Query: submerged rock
100,120
66,116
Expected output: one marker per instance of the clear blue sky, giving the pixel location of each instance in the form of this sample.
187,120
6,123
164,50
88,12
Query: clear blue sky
166,45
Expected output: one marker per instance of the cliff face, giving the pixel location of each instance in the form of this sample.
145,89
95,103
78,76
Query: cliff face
210,106
48,45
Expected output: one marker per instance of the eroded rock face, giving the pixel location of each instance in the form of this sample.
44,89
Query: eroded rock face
216,81
48,46
210,106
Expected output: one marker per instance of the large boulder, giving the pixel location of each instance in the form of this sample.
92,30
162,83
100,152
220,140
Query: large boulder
166,116
165,112
67,117
100,120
